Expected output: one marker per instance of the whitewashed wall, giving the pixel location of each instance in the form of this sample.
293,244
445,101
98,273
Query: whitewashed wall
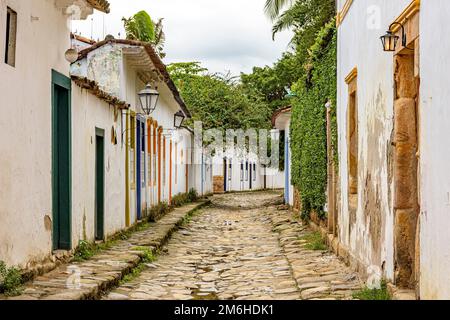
435,150
359,46
89,113
25,122
234,180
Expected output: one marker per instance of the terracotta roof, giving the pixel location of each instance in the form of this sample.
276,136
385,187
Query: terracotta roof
93,88
279,112
101,5
153,57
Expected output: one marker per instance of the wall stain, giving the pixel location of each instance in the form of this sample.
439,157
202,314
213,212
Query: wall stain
376,160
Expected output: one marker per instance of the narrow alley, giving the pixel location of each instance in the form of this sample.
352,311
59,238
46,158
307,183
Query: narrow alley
245,247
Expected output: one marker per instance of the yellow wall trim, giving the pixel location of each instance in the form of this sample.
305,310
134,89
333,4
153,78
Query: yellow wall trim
341,15
410,10
351,76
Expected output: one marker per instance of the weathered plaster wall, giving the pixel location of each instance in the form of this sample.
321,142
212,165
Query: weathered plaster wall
434,150
25,146
369,235
89,113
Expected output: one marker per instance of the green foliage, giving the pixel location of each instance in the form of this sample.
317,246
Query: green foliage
308,128
10,280
141,27
158,211
184,198
147,254
192,195
217,100
136,272
274,7
85,251
373,294
304,17
271,83
314,241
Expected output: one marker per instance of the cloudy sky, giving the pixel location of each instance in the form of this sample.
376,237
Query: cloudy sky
225,35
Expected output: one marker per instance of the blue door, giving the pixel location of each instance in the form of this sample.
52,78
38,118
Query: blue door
287,182
139,147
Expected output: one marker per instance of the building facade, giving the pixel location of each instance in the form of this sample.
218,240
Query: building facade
34,83
392,116
79,159
281,121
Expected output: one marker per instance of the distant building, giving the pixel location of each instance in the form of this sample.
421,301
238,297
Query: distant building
281,120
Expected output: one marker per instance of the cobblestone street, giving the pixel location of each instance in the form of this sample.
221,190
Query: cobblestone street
242,247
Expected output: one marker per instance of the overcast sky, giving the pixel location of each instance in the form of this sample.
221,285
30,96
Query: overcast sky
224,35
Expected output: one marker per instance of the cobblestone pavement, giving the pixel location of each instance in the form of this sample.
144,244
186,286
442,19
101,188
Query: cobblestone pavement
88,279
243,248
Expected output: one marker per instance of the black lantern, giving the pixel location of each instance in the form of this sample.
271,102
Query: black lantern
148,99
390,40
178,119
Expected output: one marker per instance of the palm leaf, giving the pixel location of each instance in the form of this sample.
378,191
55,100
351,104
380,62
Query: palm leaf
274,7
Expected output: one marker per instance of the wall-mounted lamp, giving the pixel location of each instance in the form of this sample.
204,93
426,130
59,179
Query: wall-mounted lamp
178,119
390,40
148,99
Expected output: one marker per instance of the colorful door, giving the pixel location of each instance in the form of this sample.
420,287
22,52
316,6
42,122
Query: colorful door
99,184
140,166
61,162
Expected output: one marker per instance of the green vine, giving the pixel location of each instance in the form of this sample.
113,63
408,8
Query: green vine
308,128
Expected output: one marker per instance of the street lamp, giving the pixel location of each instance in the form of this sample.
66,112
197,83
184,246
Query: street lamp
148,99
178,119
390,40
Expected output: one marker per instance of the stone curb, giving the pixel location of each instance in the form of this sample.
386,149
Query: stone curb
90,279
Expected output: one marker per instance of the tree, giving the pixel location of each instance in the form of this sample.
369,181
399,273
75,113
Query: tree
141,27
273,83
273,7
217,100
301,15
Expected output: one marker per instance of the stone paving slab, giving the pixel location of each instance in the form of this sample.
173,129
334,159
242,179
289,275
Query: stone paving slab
89,279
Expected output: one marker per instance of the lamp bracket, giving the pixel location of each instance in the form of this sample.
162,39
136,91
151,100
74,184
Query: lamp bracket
404,40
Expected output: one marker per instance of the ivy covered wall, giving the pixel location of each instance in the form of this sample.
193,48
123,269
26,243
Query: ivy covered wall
308,125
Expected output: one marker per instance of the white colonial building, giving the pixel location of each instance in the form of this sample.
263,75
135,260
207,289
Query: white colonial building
79,158
393,127
35,149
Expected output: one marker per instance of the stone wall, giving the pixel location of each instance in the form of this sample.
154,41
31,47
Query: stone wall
218,183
